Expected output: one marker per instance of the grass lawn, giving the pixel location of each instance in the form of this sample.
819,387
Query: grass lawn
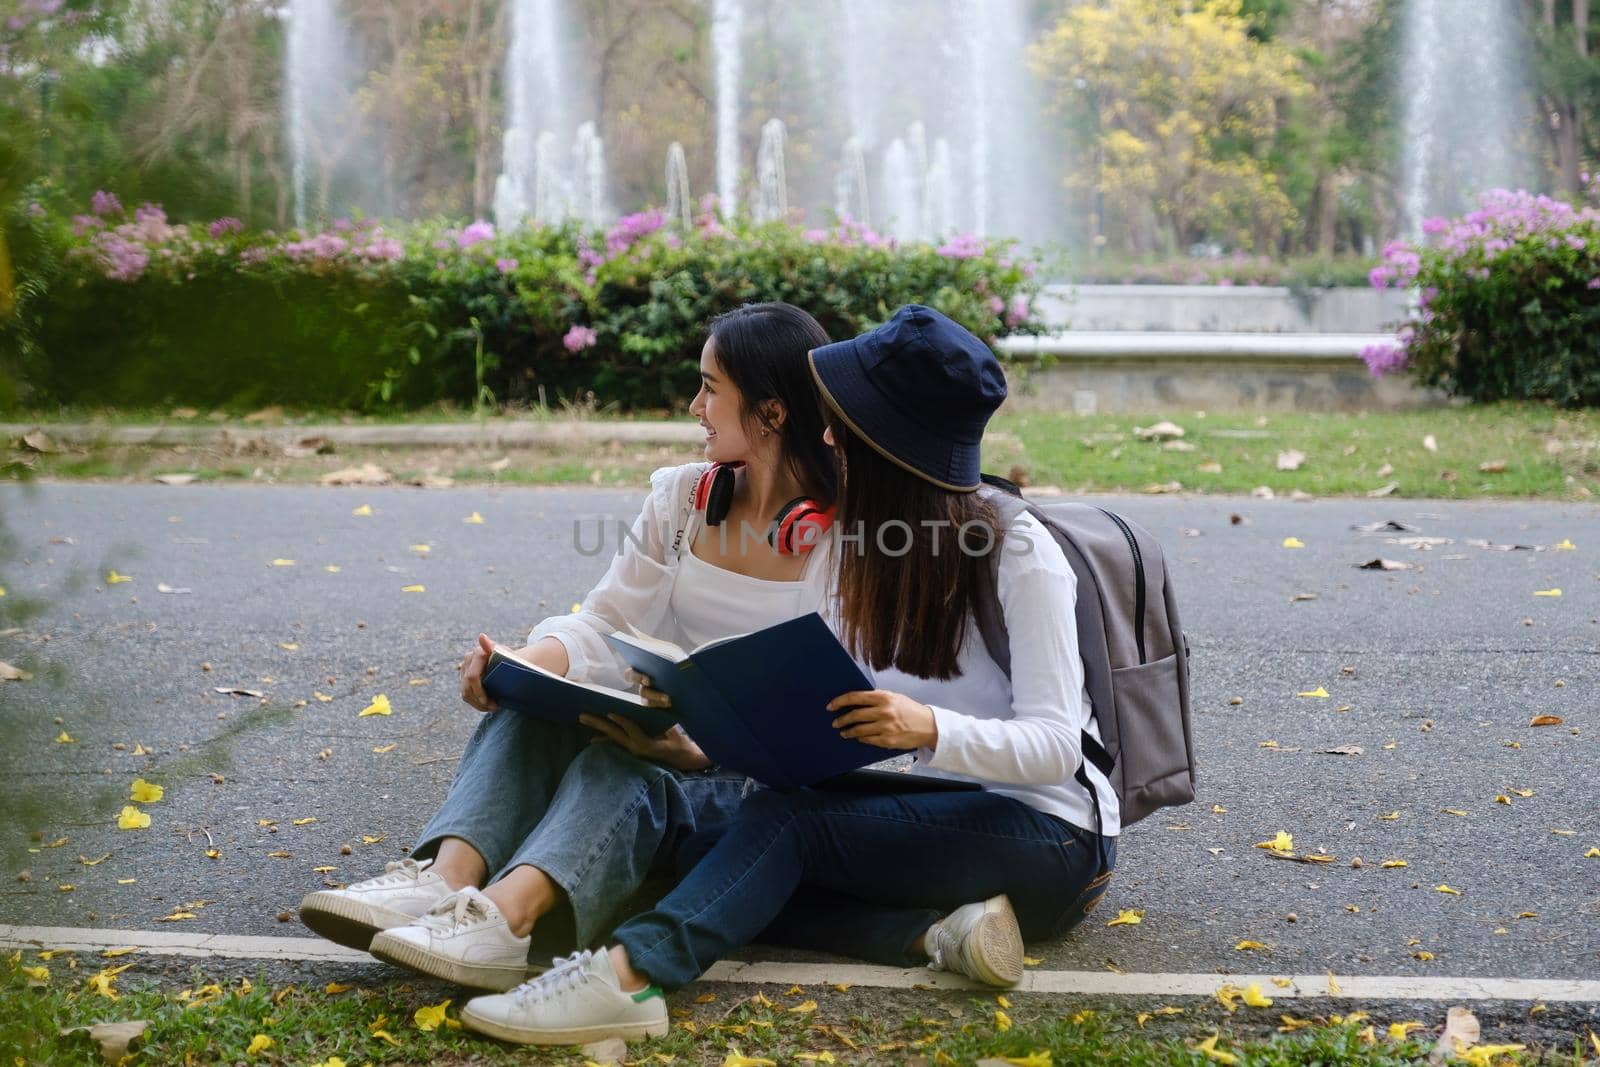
241,1021
1501,451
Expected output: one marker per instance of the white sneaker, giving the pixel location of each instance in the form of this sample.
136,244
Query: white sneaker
578,1000
353,915
464,939
980,940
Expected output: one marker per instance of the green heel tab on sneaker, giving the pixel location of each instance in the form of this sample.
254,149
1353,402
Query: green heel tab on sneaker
646,993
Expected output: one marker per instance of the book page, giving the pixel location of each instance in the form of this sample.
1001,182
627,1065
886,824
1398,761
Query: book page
503,655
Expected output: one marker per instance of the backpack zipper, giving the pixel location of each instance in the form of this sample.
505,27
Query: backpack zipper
1138,580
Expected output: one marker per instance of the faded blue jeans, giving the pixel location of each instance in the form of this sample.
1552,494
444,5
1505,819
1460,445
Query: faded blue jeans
595,819
864,875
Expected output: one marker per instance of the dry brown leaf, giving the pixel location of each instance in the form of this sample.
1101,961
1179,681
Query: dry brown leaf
1545,720
1493,466
366,474
116,1040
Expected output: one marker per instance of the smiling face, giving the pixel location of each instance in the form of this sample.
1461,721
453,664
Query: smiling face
720,408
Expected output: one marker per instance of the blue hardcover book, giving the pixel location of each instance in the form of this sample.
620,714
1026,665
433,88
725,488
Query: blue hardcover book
517,685
757,703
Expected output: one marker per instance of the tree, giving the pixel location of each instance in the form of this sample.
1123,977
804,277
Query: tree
1569,86
1177,109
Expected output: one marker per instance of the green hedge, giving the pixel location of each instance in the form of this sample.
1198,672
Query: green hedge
139,312
1508,302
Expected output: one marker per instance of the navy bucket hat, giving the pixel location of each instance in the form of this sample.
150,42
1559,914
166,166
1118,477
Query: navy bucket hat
919,389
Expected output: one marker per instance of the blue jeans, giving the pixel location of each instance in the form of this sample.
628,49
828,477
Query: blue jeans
595,819
865,876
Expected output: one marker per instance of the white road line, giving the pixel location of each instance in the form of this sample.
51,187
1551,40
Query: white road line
1090,983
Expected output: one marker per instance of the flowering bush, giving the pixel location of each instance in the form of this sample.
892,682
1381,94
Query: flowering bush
1507,301
365,315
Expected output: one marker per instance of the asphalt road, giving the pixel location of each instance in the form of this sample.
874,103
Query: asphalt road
1434,672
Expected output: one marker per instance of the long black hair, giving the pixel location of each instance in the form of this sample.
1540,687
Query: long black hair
909,586
762,348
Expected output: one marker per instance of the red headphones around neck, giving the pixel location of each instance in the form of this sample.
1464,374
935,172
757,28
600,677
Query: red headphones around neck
799,525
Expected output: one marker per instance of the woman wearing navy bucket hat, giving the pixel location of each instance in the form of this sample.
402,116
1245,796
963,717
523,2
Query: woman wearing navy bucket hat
958,878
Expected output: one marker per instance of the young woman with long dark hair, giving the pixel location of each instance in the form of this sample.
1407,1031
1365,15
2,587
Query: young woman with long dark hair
542,814
956,878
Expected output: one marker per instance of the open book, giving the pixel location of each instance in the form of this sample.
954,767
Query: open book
755,703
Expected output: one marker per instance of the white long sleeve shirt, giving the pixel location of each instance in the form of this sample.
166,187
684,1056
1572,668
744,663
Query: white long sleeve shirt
667,592
1020,736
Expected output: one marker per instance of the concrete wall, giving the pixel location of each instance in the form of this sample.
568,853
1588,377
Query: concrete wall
1242,309
1089,385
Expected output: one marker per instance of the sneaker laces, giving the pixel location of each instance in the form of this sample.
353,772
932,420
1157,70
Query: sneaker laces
934,942
567,972
461,908
395,873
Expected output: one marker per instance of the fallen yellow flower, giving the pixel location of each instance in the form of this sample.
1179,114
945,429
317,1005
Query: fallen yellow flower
1449,890
1319,693
1253,997
104,982
143,792
37,974
474,519
132,819
64,738
1484,1055
1002,1021
1248,946
282,563
735,1058
113,578
1128,917
413,589
1549,593
1032,1059
259,1044
430,1017
1293,542
1209,1047
1284,842
335,988
1400,1031
379,706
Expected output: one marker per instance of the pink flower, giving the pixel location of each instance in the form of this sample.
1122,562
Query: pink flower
122,259
505,266
226,225
382,249
477,232
1018,311
997,305
1594,283
631,229
578,338
82,224
105,203
1385,357
963,246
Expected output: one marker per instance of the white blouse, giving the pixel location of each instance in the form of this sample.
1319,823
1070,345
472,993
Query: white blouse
668,592
1020,736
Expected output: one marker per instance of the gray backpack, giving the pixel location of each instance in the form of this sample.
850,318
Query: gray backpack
1135,655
